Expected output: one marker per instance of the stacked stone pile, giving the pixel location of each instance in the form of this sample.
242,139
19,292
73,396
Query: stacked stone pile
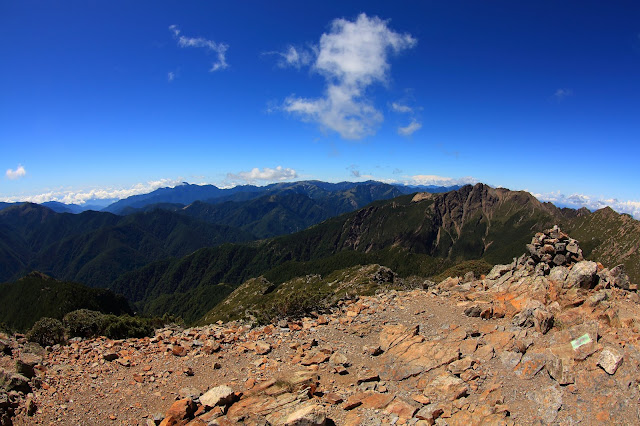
555,255
531,289
554,248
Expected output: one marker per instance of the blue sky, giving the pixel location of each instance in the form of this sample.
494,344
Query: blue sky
107,99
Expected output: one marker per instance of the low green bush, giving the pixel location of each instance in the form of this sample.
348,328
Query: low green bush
126,326
87,323
84,323
47,332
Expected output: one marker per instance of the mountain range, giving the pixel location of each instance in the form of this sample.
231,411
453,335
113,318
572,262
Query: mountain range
168,252
422,234
96,247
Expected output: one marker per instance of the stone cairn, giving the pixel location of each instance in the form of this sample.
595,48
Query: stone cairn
554,248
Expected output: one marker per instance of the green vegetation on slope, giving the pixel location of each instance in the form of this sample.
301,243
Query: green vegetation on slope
610,238
264,301
95,248
34,296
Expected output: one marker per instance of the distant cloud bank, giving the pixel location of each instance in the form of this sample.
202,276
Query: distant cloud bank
280,174
82,196
441,180
265,175
577,201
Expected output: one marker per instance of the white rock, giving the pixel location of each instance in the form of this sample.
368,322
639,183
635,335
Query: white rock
221,395
610,359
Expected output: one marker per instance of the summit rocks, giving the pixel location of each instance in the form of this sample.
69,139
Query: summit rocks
550,344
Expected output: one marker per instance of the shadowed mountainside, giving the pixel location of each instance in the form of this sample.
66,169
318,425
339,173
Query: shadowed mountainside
36,295
94,247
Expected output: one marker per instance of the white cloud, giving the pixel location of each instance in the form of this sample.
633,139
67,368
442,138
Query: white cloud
592,203
82,196
398,107
266,175
351,56
17,173
561,94
441,180
171,76
220,49
293,57
413,127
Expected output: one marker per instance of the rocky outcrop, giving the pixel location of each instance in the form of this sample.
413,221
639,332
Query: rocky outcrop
526,344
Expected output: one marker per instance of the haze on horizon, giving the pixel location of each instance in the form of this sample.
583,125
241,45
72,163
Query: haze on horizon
111,99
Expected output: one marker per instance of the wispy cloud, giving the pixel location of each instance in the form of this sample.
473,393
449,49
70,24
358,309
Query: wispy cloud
265,175
355,170
351,57
17,173
561,94
293,57
398,107
171,76
220,49
577,200
413,127
70,196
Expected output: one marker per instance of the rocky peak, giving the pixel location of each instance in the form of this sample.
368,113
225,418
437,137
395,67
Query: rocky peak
554,254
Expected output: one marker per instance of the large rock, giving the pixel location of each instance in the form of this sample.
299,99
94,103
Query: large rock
610,359
182,409
534,315
220,395
616,277
25,364
5,347
14,382
583,275
310,415
548,402
407,354
446,387
498,271
558,274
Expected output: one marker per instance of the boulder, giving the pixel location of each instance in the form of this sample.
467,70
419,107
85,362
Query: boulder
220,395
617,277
310,415
498,271
14,382
182,409
447,387
609,360
583,275
25,364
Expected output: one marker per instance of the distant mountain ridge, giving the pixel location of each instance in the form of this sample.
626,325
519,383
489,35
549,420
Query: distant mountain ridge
186,193
421,234
284,209
94,247
171,257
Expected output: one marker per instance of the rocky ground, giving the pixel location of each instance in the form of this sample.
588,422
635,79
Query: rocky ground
527,344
